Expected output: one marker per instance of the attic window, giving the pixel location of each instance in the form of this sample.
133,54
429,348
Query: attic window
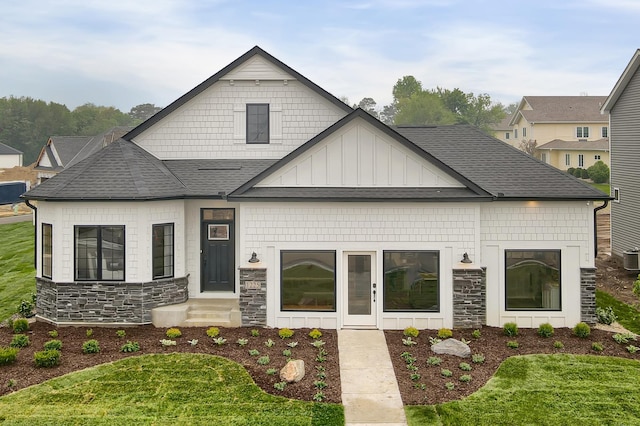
257,123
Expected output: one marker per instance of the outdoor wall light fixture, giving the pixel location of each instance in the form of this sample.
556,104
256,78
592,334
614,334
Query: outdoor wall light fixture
254,258
465,258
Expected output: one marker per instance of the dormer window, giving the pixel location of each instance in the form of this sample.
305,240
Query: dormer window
257,123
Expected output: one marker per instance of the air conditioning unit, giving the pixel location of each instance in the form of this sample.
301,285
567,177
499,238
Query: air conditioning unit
631,260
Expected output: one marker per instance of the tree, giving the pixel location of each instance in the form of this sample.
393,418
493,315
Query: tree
92,120
511,108
143,112
406,87
423,108
599,172
388,114
369,105
529,146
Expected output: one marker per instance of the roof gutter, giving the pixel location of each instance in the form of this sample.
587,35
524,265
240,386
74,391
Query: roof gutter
595,225
35,232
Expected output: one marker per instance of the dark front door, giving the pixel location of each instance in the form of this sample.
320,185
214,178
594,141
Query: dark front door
218,250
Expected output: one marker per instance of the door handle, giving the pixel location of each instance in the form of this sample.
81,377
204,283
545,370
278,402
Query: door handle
374,292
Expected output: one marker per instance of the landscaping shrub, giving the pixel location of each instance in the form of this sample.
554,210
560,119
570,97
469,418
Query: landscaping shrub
599,172
173,332
558,344
121,333
411,332
90,347
47,358
582,330
570,170
445,333
19,341
8,355
53,333
25,308
476,334
577,172
584,174
597,346
315,334
477,358
53,344
510,329
513,344
545,330
20,325
606,315
130,347
285,333
213,332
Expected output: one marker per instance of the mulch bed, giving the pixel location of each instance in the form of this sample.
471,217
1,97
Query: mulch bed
493,345
26,374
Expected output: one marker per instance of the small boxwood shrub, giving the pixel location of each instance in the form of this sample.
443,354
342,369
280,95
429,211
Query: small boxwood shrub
606,315
25,308
173,333
91,347
53,334
8,355
545,330
285,333
445,333
19,341
510,329
411,332
20,325
213,332
53,344
121,333
582,330
47,358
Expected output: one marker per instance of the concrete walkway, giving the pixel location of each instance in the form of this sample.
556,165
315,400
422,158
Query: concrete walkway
370,393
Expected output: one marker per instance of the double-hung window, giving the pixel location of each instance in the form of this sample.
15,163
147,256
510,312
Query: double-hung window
162,251
605,132
47,248
99,253
257,123
582,132
567,159
532,280
580,160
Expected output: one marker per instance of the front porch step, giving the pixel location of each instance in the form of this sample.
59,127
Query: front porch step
199,313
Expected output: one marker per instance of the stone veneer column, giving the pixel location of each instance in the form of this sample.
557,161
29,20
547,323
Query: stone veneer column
469,296
588,295
253,295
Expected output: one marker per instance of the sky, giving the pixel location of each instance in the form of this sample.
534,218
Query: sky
124,53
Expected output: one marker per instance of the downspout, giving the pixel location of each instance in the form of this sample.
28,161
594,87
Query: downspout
595,225
35,232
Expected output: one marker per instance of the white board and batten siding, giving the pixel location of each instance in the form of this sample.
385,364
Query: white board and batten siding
358,155
213,123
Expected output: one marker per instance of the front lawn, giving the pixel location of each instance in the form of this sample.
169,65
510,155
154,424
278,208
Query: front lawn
554,390
628,316
161,389
17,271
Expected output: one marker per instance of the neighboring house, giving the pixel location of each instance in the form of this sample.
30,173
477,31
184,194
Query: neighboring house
564,120
259,199
9,157
623,107
504,132
583,154
61,152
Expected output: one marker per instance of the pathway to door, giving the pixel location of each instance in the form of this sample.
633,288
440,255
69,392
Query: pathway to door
370,393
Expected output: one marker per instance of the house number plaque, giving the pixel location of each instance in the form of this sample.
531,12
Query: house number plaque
252,285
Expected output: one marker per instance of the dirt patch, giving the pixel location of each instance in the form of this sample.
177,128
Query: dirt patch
19,173
26,374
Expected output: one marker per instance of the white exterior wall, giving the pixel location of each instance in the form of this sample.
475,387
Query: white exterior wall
9,161
268,228
137,217
564,226
212,125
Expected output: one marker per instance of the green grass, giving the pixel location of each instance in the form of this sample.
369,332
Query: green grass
628,316
194,389
546,390
16,266
604,187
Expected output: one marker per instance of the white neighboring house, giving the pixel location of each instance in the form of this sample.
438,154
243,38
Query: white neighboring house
258,198
9,157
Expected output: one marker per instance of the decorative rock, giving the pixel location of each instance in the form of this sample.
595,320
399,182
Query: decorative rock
452,347
293,371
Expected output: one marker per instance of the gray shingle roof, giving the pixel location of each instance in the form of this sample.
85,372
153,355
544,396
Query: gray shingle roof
558,109
497,167
598,145
8,150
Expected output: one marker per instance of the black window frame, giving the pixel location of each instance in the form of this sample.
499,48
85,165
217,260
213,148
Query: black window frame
335,281
99,229
438,280
253,113
47,266
163,255
604,132
506,284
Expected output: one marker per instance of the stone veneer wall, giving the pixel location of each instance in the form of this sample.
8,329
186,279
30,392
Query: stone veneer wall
588,295
469,298
253,296
106,301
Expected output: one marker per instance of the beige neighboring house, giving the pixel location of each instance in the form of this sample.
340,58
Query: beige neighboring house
568,131
504,132
61,152
9,157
